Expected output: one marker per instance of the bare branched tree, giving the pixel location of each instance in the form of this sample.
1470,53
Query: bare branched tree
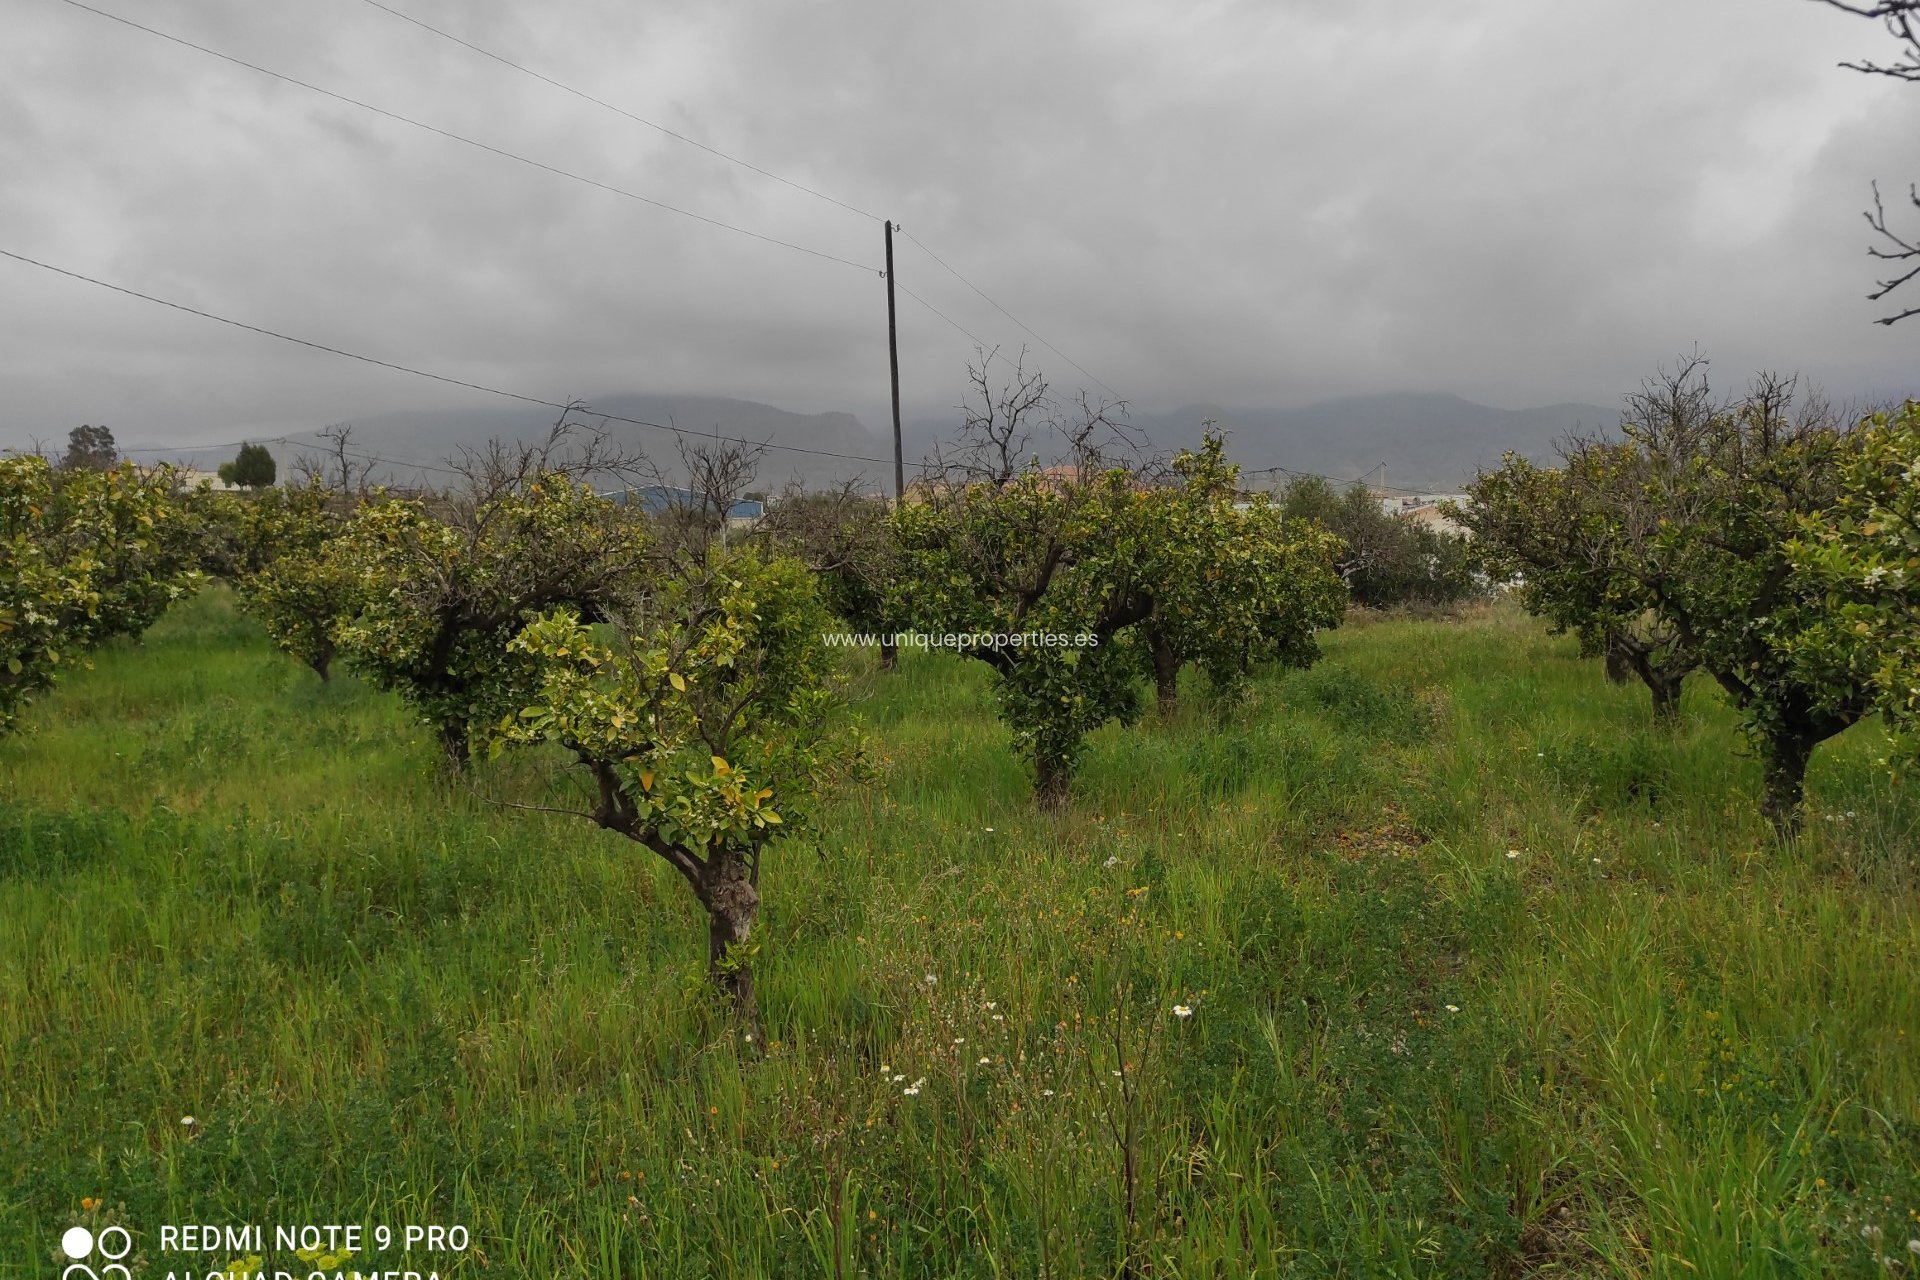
342,470
575,446
1897,247
712,478
1902,19
1005,428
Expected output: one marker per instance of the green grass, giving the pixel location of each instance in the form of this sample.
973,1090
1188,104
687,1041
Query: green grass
1489,976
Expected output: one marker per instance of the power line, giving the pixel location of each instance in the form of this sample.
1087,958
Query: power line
229,444
1009,315
651,124
977,341
438,377
599,102
677,432
482,146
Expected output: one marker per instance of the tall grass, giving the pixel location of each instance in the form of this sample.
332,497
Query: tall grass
1485,975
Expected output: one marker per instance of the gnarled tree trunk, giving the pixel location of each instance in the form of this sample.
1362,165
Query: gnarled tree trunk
1166,670
1665,687
1051,776
1620,666
1787,754
732,902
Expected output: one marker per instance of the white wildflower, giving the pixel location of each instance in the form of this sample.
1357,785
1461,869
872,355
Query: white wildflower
986,1062
1453,1008
1113,860
1182,1011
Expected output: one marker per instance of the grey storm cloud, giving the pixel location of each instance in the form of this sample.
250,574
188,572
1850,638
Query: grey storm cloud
1248,203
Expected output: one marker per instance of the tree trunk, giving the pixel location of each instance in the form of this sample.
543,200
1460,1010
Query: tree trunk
732,903
1665,687
889,655
1619,662
454,744
1051,776
1786,774
322,664
1166,671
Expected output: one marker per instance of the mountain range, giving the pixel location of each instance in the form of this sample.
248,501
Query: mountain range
1426,441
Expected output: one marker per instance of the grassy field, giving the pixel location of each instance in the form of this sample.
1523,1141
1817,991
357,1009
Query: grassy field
1487,976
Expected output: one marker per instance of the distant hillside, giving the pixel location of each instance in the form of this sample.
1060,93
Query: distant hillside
1427,441
434,434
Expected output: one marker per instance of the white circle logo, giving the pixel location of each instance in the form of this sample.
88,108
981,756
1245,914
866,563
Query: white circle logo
77,1243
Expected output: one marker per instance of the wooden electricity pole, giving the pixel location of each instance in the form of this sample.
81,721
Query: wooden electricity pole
893,363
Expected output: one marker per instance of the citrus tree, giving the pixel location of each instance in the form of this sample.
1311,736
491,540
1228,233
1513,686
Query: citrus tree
843,535
85,555
703,722
1862,554
1565,538
1733,503
1044,576
1232,582
1072,581
243,533
437,592
302,599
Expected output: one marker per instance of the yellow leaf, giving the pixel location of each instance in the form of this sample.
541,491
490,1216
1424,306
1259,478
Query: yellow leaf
677,681
772,818
646,780
720,766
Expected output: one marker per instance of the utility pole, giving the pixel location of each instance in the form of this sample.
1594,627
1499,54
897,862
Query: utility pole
893,362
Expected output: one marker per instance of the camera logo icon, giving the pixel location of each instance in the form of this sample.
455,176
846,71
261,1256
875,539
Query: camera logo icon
80,1244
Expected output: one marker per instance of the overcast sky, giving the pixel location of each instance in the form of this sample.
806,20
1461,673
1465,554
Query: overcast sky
1251,204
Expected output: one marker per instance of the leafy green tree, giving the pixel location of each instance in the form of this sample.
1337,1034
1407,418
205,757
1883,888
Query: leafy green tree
90,448
302,599
1730,498
1385,560
1862,553
1061,568
1563,535
1041,567
84,555
1232,582
438,593
252,468
703,723
243,533
39,589
843,535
